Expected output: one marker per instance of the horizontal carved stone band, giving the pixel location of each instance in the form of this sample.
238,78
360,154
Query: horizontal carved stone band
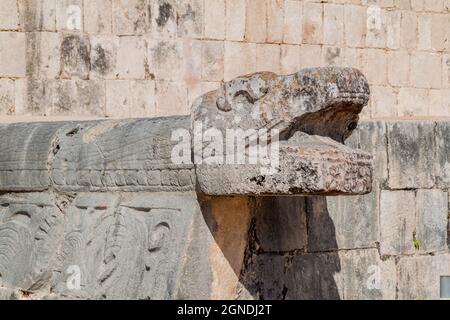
313,112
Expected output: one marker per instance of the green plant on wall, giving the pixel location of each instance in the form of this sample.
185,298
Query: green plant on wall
416,241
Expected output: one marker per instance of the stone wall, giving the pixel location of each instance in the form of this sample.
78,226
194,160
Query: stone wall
390,244
120,58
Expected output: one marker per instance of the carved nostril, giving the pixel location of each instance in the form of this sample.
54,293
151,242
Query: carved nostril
352,126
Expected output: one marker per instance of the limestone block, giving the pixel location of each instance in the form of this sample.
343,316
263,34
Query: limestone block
343,222
366,277
30,228
33,97
171,98
275,20
214,19
433,5
103,56
163,53
413,102
235,21
312,23
446,71
130,17
398,67
443,154
131,56
310,56
376,72
419,277
7,96
43,55
212,61
268,57
163,19
98,16
12,54
75,56
125,245
333,24
432,214
424,31
9,19
408,30
240,58
255,26
402,4
411,149
440,25
397,222
143,98
37,15
290,58
314,276
376,27
190,18
281,224
292,29
383,101
69,15
426,70
393,29
355,25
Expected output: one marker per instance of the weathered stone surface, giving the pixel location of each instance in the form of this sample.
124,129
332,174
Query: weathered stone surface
419,277
432,215
411,149
443,154
397,222
316,109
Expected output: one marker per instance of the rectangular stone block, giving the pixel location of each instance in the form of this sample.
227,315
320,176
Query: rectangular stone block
75,61
103,56
343,222
171,98
7,96
190,18
275,20
397,222
312,23
281,224
235,21
440,32
212,60
12,54
33,97
398,67
164,53
98,16
130,17
443,154
419,277
310,56
69,15
366,277
292,29
376,27
376,73
290,59
119,99
215,19
268,57
426,70
333,24
143,98
424,31
393,29
433,5
43,55
383,102
408,30
413,102
9,19
131,57
163,15
411,150
255,26
37,15
432,214
446,70
240,58
355,25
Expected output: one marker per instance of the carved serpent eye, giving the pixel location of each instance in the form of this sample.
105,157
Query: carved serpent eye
352,126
